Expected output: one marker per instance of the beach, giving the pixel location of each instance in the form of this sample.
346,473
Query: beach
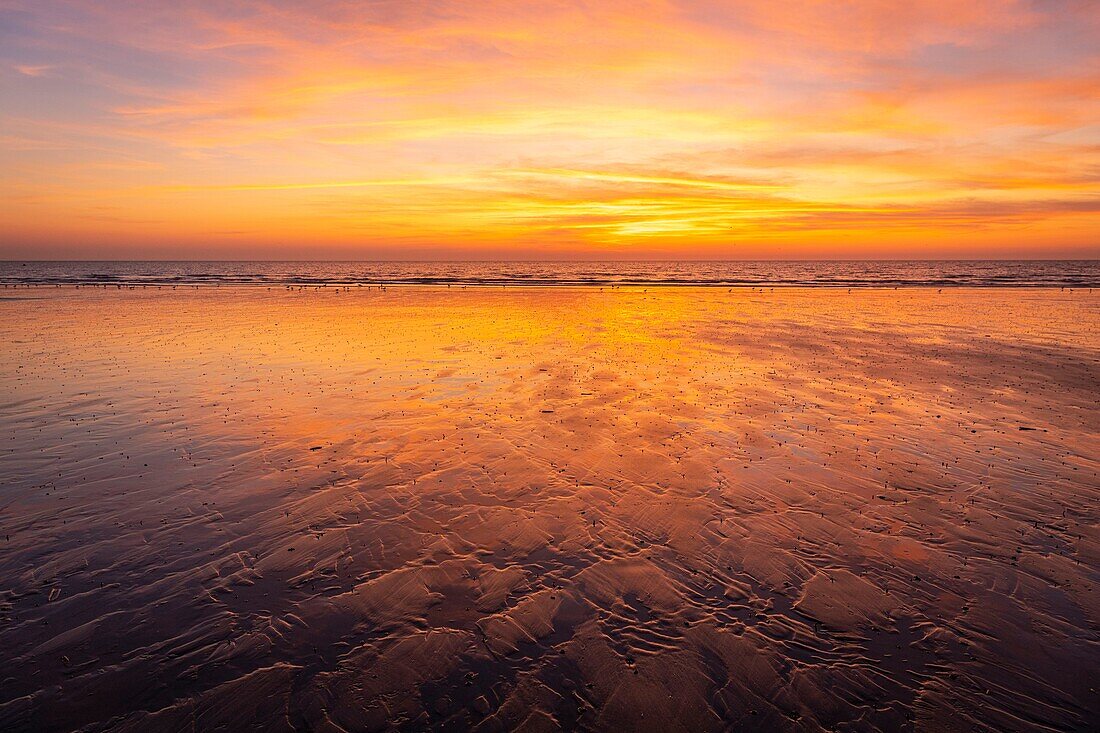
540,508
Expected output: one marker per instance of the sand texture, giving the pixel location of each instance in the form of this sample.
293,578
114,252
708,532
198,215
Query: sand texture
662,509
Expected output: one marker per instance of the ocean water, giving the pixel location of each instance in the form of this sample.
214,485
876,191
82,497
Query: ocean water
975,273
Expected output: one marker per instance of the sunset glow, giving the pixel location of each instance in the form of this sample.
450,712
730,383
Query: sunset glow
565,129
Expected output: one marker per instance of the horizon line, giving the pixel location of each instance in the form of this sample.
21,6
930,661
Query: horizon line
572,261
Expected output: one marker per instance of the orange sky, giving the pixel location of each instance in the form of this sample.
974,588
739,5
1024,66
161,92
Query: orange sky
519,130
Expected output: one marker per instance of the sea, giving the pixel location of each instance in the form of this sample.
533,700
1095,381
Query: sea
805,273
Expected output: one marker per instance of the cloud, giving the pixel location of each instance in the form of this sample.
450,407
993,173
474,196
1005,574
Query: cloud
29,70
438,122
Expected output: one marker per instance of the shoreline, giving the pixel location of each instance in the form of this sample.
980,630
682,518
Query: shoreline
631,286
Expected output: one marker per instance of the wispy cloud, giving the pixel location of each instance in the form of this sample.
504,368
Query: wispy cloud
689,127
34,70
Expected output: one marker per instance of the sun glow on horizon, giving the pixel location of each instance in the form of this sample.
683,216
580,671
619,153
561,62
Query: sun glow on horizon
446,129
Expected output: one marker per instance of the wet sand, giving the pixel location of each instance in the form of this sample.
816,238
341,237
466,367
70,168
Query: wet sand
667,509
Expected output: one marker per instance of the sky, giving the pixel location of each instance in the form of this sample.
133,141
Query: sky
505,129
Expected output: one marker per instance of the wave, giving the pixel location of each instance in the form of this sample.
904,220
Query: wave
841,274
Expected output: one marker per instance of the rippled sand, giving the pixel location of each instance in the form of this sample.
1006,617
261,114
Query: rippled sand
675,509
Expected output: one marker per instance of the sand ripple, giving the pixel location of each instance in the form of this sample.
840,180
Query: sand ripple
541,509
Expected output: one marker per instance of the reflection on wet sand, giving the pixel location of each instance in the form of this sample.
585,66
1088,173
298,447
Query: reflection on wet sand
618,509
